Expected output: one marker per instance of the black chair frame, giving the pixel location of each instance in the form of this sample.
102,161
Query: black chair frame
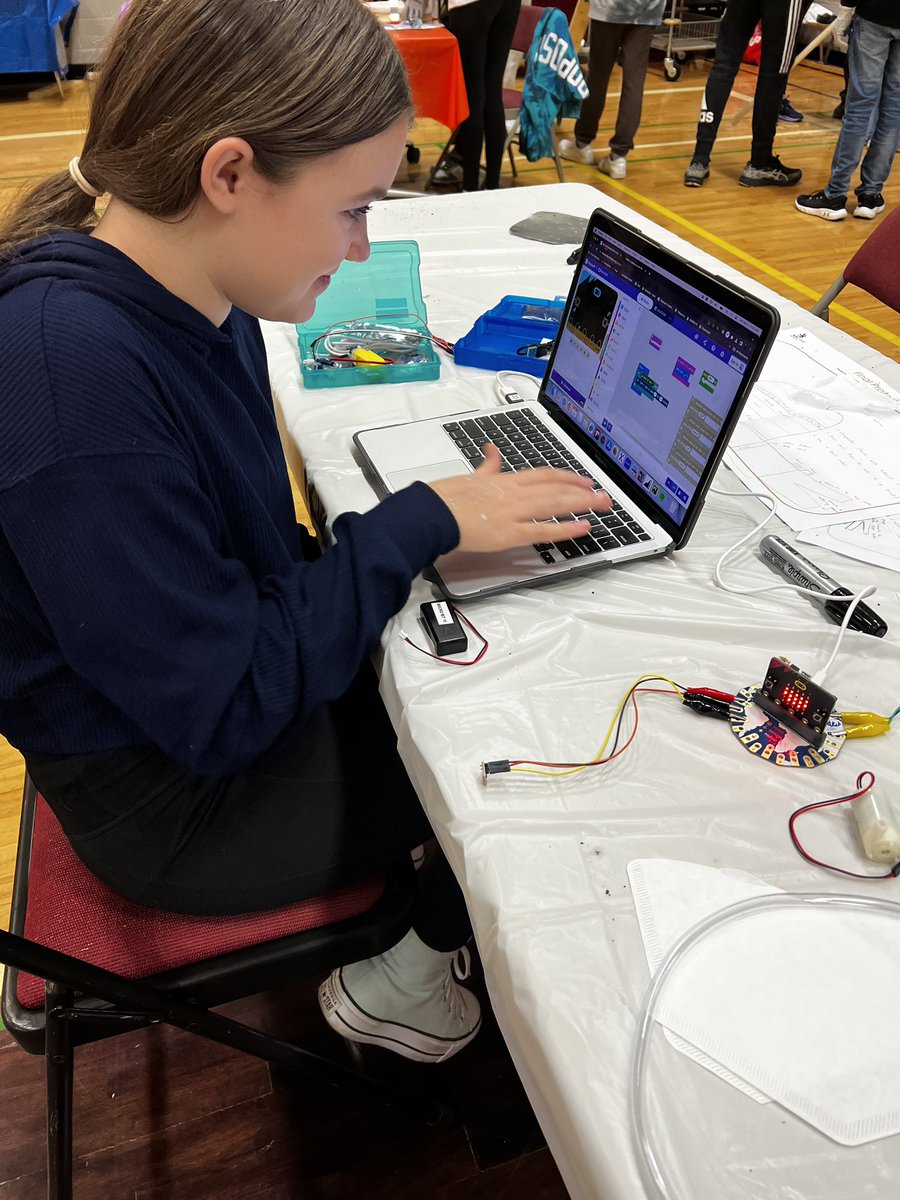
84,1003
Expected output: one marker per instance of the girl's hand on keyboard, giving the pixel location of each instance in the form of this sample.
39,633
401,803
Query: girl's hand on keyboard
496,510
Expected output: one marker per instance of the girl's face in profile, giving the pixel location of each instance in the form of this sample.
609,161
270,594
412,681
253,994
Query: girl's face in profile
285,241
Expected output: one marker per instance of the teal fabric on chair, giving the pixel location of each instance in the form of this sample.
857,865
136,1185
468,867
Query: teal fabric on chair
554,85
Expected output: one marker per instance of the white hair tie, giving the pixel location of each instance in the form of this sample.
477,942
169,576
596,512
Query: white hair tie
79,179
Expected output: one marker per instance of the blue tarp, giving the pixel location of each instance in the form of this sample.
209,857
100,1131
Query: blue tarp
28,39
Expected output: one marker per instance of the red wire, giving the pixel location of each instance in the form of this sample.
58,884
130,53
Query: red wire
711,693
827,804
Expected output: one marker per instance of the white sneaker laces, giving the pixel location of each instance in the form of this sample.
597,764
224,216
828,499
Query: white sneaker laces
458,969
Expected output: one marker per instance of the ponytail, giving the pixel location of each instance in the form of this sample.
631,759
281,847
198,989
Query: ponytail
55,203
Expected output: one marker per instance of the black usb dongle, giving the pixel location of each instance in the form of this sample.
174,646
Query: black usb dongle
443,627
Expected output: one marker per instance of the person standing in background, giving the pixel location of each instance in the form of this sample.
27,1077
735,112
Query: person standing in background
873,62
484,30
617,26
779,20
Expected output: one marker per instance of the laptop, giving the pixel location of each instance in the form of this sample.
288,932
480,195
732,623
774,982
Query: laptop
651,366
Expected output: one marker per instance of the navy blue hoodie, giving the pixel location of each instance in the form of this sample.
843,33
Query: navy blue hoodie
153,588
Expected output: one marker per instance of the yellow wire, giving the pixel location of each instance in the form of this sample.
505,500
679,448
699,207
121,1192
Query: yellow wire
561,774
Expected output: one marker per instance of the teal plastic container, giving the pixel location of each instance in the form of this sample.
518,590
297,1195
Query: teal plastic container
386,288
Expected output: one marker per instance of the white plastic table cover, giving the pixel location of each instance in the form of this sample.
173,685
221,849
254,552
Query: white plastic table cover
542,861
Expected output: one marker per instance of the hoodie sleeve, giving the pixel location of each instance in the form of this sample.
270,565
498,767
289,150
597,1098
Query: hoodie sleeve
197,624
211,664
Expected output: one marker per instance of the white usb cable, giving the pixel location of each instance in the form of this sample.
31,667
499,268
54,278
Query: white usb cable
852,601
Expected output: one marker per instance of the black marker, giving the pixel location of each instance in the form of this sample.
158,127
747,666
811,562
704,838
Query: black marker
789,562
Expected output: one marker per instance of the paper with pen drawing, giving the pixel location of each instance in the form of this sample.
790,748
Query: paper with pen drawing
872,540
821,435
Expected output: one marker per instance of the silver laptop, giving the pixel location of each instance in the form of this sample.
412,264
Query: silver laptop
651,366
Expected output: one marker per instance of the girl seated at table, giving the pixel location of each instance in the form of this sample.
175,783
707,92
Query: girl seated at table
183,672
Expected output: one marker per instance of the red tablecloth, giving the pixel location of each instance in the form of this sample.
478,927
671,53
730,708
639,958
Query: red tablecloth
435,73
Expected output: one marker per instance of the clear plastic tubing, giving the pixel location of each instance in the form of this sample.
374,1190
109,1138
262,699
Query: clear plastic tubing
651,1169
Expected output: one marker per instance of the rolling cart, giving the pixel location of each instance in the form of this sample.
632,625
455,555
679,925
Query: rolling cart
690,26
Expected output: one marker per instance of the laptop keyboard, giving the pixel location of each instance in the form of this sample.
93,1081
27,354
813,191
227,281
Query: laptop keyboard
525,442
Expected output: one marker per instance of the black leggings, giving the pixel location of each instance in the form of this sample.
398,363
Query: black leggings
327,804
780,19
484,31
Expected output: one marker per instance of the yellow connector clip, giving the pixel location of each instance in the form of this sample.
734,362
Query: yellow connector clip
367,357
864,724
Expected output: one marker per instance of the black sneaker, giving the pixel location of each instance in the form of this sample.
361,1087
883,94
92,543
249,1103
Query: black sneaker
787,112
696,174
869,205
774,175
832,208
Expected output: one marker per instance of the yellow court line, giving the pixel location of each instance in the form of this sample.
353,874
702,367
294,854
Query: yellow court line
795,284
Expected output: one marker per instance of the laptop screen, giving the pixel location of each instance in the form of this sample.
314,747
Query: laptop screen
648,364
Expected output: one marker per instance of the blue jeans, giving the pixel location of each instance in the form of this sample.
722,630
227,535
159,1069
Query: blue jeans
874,66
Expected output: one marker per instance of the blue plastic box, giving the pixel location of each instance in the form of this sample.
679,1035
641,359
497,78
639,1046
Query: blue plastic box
493,341
385,288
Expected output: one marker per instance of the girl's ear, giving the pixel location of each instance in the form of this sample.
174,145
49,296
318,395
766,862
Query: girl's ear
226,172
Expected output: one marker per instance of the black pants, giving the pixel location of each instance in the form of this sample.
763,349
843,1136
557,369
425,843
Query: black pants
780,19
484,31
606,41
327,804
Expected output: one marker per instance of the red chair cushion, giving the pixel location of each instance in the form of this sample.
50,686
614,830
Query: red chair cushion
69,909
511,98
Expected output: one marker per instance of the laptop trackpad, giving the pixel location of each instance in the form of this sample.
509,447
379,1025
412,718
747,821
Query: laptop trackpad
427,472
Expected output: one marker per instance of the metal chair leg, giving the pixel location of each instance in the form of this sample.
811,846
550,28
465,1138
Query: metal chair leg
820,308
59,1065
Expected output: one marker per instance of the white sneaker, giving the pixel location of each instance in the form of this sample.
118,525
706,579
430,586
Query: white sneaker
406,1000
449,172
614,166
569,148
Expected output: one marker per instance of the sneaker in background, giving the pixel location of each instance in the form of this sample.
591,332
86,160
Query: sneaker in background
696,174
450,171
569,148
817,204
776,174
869,205
614,165
788,113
